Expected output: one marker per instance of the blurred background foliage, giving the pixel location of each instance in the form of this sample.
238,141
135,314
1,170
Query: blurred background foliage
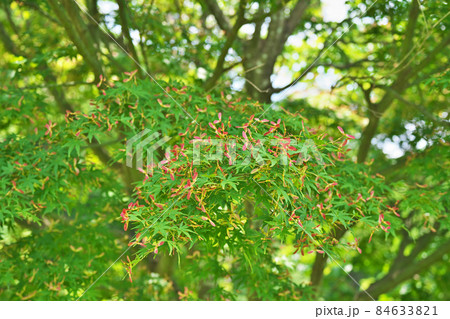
379,69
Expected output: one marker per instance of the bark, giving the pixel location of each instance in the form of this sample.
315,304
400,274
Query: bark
214,9
366,137
231,37
261,54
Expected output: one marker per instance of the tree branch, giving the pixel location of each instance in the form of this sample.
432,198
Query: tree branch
345,66
232,35
314,63
295,17
123,15
397,276
301,75
220,17
56,91
8,43
430,57
400,84
35,6
321,260
419,107
47,85
407,43
77,32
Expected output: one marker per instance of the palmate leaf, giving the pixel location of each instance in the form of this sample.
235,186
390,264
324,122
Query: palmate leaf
263,197
240,211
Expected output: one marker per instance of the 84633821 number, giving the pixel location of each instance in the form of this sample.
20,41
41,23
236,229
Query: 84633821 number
406,310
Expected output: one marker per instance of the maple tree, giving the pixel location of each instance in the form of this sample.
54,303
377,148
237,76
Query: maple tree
244,198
